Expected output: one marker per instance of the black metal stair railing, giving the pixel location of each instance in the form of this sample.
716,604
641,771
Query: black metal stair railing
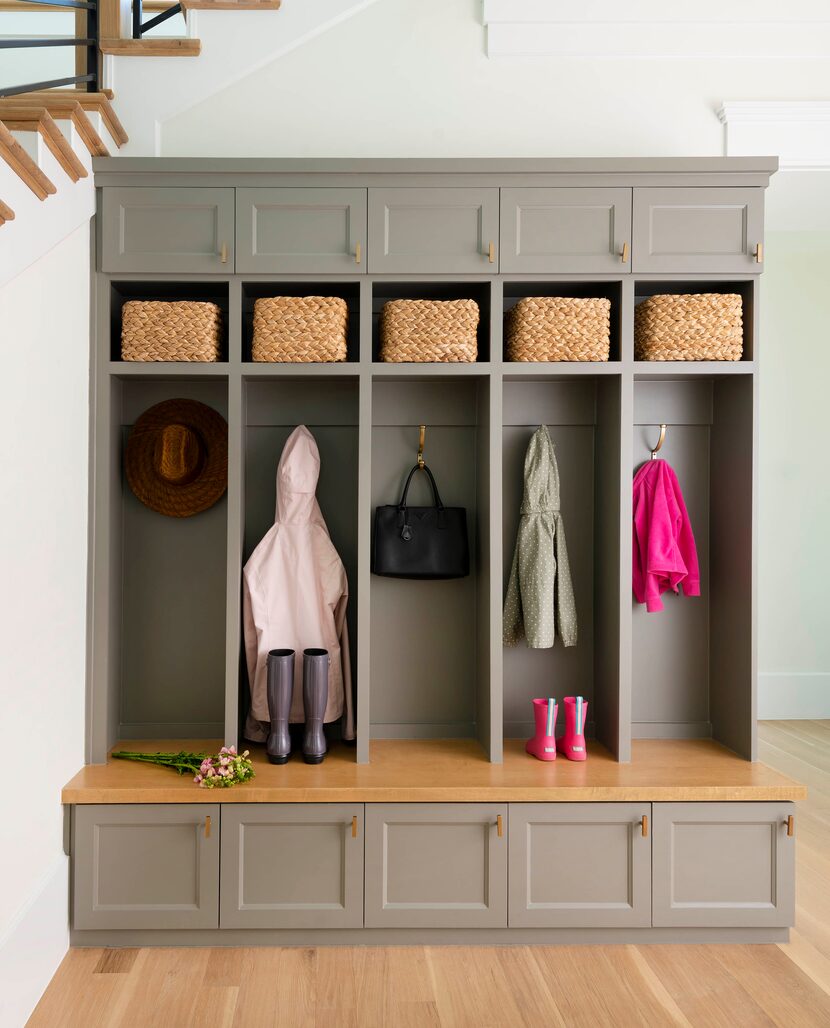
91,78
140,28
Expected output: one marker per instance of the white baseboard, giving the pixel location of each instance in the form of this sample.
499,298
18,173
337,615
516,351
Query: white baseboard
33,946
796,695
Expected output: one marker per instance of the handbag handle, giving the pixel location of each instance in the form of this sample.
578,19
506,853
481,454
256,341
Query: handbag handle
435,494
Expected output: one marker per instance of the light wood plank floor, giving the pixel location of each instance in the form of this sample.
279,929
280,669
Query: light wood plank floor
787,985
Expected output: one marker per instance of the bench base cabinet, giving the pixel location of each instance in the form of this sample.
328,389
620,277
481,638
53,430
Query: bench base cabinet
292,865
580,865
723,864
594,870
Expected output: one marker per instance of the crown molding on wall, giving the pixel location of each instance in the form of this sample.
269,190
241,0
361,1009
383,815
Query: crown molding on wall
644,29
798,131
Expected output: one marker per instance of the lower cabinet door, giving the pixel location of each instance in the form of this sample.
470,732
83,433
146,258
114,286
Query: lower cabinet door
436,865
146,866
292,865
585,865
729,865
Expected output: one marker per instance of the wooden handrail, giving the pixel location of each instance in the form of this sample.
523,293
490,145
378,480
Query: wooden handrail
22,164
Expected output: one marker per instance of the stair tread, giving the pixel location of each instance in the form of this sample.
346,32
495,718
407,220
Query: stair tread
22,164
231,5
151,47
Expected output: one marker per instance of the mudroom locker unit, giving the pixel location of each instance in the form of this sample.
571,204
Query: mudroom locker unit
669,829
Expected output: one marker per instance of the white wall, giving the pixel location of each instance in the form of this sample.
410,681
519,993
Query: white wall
44,393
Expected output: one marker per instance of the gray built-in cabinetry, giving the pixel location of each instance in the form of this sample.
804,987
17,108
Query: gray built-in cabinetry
633,868
428,657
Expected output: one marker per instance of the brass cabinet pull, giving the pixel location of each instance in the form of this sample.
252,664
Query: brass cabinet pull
644,826
223,253
491,252
759,253
499,826
207,827
354,826
357,253
790,823
624,254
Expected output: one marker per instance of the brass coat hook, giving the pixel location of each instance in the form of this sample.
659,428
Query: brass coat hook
422,431
660,442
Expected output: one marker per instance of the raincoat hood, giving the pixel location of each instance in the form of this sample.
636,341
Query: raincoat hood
297,475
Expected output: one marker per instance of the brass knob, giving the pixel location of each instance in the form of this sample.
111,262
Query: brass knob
759,253
644,826
499,826
491,252
624,254
207,827
357,253
223,253
354,826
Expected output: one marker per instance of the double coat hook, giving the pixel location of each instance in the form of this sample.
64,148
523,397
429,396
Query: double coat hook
660,442
422,431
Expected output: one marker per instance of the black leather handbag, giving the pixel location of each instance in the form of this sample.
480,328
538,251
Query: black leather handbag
420,542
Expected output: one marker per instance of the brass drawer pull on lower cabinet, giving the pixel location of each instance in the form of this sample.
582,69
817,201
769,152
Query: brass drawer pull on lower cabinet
624,254
491,253
644,826
207,827
354,826
790,823
759,253
499,826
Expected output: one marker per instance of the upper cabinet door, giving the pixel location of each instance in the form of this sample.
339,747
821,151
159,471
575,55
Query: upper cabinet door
566,230
301,230
178,230
724,865
698,229
580,865
438,231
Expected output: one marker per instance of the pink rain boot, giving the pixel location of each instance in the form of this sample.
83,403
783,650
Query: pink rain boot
543,744
572,743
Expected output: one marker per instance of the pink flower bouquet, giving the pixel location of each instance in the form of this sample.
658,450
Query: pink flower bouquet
210,771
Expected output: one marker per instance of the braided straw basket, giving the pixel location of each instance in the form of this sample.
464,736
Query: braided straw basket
693,327
160,330
558,328
429,330
300,329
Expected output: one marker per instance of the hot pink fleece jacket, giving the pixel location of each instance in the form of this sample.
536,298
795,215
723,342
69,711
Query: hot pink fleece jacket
664,548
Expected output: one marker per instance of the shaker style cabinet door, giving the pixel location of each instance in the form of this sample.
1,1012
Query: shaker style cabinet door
438,231
725,865
698,230
179,230
584,865
146,866
292,865
566,230
301,230
436,865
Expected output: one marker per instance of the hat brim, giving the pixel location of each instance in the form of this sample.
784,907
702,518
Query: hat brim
178,501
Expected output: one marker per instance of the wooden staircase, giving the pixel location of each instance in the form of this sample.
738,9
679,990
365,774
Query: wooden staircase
53,114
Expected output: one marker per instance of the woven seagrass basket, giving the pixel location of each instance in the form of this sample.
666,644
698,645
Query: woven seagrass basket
300,329
693,327
558,328
178,330
429,330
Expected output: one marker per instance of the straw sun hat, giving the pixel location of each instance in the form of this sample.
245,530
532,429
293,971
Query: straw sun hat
176,459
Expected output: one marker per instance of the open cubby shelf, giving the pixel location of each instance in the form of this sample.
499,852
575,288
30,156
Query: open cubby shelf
428,660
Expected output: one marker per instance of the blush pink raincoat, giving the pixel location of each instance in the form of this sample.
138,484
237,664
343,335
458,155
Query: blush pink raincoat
294,593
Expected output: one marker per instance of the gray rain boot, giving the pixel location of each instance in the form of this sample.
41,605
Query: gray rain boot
280,692
315,698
